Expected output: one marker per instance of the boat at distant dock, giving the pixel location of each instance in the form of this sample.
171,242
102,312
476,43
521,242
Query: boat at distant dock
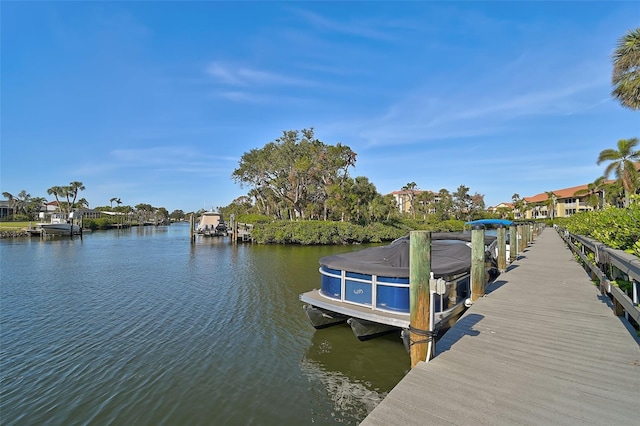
211,224
60,224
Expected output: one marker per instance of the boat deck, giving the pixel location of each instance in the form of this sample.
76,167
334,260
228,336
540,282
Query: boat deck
544,347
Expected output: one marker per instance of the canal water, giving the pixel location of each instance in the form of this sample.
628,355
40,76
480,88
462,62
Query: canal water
141,327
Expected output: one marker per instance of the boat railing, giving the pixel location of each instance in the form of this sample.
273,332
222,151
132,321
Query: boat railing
387,294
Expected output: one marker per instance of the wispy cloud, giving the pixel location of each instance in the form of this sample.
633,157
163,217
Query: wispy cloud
369,29
433,113
250,97
229,74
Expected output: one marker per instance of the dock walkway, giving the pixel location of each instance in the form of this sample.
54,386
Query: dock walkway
542,348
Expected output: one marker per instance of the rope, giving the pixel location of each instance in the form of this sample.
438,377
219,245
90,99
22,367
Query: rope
428,334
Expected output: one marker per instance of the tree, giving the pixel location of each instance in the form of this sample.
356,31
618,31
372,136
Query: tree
57,192
340,200
382,207
462,204
161,215
425,202
13,202
18,203
33,207
111,201
72,192
519,205
593,193
622,164
550,203
81,203
477,205
177,215
626,70
296,169
364,193
444,204
411,189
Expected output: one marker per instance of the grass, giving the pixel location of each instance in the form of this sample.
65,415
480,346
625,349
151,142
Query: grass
14,226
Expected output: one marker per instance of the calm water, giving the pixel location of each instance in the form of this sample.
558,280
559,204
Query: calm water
141,327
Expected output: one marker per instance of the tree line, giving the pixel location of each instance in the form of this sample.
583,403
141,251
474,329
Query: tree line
25,207
299,177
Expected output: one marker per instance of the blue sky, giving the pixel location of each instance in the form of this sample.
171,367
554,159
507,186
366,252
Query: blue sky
155,102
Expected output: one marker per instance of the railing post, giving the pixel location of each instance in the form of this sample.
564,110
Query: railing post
502,248
419,294
478,272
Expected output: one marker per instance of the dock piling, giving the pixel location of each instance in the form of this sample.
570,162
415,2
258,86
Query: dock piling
478,277
502,248
419,295
192,225
513,243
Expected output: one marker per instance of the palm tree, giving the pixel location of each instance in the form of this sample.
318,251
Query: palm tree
112,200
550,203
593,193
411,189
622,164
626,70
72,191
519,205
57,191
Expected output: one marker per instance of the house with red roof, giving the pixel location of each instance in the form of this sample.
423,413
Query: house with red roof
565,204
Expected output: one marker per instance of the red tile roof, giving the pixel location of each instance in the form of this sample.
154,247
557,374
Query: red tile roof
559,193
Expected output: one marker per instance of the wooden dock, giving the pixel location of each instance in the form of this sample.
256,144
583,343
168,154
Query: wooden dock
543,347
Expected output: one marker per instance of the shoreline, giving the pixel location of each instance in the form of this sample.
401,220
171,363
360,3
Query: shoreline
14,234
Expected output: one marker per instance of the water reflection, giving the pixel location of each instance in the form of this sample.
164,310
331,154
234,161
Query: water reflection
355,376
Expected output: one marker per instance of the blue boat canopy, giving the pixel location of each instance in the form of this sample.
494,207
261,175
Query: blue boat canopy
490,222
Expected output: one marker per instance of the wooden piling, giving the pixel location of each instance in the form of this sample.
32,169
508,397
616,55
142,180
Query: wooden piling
192,225
521,245
234,229
478,272
513,243
419,294
502,248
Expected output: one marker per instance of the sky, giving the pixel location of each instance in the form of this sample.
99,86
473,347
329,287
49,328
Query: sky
156,102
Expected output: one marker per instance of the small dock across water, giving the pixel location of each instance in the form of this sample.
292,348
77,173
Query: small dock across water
542,348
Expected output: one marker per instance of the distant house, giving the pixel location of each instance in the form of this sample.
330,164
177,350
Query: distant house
5,209
403,199
503,209
86,214
48,209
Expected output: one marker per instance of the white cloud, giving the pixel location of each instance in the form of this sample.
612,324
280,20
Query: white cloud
229,74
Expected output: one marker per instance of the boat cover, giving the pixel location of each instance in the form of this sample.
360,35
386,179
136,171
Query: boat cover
490,222
447,258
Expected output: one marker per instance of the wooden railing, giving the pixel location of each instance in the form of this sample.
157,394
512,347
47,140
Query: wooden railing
605,258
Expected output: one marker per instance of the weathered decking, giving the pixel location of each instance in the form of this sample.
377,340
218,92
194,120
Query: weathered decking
542,348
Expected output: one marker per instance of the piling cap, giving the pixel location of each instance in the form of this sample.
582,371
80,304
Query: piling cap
477,226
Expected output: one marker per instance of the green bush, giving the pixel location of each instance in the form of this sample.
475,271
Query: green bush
323,232
617,228
94,224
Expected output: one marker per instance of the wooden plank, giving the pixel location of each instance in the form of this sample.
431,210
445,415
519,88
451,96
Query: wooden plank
543,347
